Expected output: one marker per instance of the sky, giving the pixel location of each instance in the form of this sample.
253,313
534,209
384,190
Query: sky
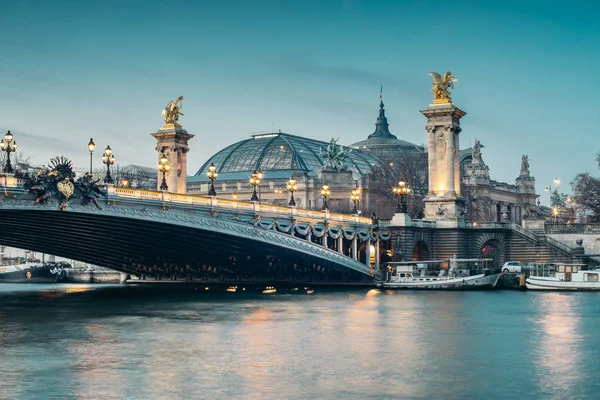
528,75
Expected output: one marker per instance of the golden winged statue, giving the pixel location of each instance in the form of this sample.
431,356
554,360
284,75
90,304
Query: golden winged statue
440,84
172,111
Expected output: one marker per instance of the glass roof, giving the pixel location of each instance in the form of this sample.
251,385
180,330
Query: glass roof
279,152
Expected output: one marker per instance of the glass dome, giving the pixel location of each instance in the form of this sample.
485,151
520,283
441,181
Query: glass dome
279,154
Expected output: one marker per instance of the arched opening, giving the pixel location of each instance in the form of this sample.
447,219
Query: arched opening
421,252
493,249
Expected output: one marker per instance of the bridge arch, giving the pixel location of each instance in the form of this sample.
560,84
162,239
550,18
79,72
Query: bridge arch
162,242
492,245
421,247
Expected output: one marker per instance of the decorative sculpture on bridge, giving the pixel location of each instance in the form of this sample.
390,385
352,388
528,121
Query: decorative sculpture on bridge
441,86
335,156
172,111
57,179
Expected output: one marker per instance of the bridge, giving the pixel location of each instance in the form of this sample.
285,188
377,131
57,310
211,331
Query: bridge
194,238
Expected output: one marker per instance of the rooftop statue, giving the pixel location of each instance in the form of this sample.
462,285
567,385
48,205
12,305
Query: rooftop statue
477,151
524,165
172,111
335,156
440,84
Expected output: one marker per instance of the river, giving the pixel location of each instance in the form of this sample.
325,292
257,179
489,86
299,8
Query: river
181,342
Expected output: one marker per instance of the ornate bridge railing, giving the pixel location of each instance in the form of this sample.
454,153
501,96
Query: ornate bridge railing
231,205
572,228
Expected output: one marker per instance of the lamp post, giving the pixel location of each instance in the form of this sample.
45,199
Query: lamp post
401,191
254,181
9,146
325,192
291,187
108,158
555,214
259,176
164,167
124,182
355,196
91,147
212,175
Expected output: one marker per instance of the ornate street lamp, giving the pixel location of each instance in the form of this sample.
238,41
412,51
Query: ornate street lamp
108,158
164,167
355,197
124,182
325,192
555,214
401,191
254,181
91,147
291,187
9,146
259,176
212,175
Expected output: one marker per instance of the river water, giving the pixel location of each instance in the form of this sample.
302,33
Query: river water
179,342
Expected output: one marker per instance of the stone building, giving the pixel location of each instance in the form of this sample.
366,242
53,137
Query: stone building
375,165
280,156
489,200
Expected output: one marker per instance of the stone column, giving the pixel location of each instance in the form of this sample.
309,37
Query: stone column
341,243
377,255
354,248
443,126
368,252
172,140
431,161
456,132
324,240
450,158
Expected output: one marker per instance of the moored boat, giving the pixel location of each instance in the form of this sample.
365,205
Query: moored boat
571,277
30,273
451,274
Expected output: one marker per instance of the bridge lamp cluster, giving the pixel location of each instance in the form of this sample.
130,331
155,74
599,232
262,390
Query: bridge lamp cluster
108,158
212,175
255,179
9,145
401,191
291,187
325,192
165,168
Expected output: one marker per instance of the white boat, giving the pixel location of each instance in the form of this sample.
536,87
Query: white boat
573,277
450,274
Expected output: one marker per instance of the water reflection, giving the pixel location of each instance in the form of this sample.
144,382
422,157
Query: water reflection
159,344
559,351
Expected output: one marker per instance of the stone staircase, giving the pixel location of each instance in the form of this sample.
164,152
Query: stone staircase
524,245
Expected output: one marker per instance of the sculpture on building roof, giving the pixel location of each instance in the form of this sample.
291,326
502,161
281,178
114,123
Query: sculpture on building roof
335,156
524,165
441,86
476,155
172,111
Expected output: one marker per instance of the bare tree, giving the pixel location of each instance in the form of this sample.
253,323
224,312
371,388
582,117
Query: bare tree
137,176
586,197
410,167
